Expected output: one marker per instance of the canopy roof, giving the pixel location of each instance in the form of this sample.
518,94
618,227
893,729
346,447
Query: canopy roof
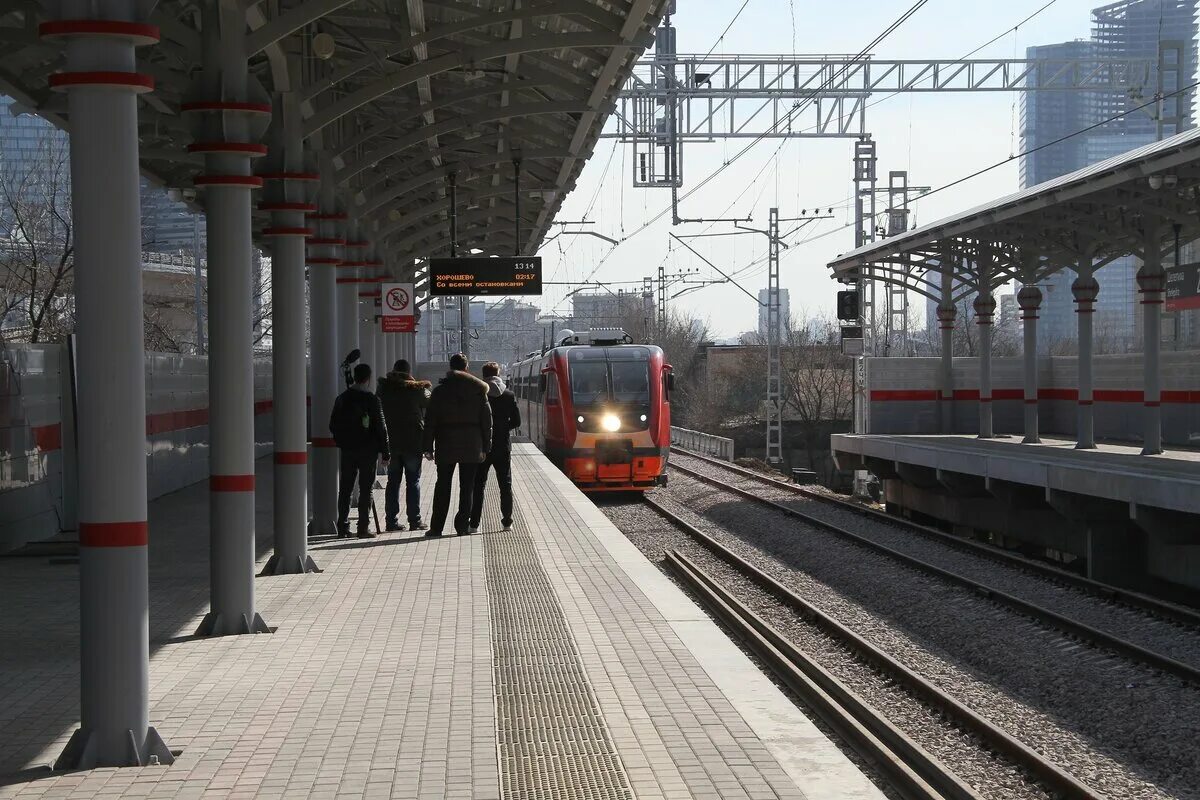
1098,212
413,90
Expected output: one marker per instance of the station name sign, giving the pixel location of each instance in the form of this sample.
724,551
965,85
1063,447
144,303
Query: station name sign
1183,287
484,276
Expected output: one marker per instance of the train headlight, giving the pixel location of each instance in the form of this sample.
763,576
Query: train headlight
610,423
579,419
643,417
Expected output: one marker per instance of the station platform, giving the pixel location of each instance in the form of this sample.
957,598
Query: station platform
1129,519
1170,480
550,661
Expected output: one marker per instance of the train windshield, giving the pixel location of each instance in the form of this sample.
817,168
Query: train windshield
610,375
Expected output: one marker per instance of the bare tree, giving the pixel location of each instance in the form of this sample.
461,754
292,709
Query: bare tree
36,255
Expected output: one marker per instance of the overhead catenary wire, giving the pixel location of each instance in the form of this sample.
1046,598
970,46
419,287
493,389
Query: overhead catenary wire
785,120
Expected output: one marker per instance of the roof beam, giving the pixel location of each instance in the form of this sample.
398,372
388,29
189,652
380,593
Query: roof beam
447,126
375,202
455,60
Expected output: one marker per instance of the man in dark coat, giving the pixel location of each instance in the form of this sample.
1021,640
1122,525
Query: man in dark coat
404,400
505,418
458,433
358,429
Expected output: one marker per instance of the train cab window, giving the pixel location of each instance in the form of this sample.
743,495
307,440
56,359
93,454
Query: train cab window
630,381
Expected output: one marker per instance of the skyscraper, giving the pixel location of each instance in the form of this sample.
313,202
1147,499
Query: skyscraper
785,311
167,225
1127,30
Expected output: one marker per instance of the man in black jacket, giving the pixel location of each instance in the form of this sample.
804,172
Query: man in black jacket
505,418
404,400
358,429
458,428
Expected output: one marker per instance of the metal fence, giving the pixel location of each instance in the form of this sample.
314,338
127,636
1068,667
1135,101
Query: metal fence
699,442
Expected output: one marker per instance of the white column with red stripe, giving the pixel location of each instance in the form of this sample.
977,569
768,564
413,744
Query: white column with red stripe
985,310
324,357
355,248
1152,284
1085,290
102,83
946,314
347,301
289,192
228,117
1030,300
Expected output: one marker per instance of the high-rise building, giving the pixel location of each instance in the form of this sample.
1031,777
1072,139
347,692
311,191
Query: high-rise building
30,144
606,309
785,311
1127,30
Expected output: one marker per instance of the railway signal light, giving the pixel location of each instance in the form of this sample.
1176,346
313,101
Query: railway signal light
847,305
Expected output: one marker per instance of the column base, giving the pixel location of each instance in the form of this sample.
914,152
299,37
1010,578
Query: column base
1085,446
1152,451
215,624
289,566
81,752
1032,440
322,527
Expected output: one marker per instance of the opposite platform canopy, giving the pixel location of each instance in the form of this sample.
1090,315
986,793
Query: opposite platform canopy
1098,212
401,93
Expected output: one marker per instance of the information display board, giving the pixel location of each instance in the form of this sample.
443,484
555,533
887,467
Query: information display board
1183,287
397,308
485,276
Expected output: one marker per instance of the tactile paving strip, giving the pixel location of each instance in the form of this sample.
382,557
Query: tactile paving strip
553,742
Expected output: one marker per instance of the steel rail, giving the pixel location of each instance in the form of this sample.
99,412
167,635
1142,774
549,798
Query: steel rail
1070,627
908,767
1135,600
1045,771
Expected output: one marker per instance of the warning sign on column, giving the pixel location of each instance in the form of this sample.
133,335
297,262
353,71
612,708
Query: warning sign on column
398,306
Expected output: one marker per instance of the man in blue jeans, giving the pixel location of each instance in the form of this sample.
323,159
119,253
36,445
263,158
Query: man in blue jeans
404,400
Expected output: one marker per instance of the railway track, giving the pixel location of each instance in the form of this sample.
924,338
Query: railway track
1089,633
907,766
1130,599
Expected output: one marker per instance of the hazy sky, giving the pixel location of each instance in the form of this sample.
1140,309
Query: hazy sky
938,138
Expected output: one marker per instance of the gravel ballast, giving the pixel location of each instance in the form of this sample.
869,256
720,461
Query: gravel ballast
1115,725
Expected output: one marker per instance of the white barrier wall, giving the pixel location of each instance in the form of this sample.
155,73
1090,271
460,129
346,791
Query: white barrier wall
36,441
31,458
903,396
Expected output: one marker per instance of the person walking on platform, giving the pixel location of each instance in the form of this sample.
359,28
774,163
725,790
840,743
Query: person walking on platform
404,400
458,433
361,436
506,417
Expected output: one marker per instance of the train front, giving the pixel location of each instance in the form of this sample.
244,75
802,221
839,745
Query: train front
621,416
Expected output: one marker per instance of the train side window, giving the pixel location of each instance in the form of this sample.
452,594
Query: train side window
551,388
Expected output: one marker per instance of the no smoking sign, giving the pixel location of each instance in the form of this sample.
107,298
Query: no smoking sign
398,316
398,299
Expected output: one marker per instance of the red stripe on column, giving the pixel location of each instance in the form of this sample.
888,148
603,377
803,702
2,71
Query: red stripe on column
291,458
1057,394
48,438
1085,402
323,442
886,395
966,394
1151,404
231,483
1117,395
113,534
139,33
126,80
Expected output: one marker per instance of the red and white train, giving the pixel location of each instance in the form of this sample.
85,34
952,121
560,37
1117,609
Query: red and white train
599,407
